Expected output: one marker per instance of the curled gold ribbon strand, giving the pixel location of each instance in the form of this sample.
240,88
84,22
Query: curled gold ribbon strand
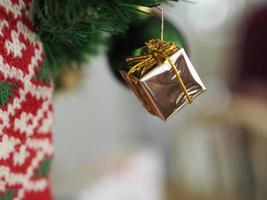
179,79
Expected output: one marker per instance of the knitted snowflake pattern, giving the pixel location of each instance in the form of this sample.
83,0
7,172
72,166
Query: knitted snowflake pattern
25,107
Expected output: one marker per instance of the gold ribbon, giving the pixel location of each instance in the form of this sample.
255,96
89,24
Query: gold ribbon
155,53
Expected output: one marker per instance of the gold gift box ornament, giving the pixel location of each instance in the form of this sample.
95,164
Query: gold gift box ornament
163,78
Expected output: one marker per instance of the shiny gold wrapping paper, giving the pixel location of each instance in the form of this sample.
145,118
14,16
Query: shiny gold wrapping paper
159,89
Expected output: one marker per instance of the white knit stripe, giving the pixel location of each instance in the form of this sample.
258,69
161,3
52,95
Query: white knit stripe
17,101
15,9
15,46
37,144
36,185
22,124
20,194
4,172
7,146
10,71
20,156
34,60
47,124
27,33
40,92
3,24
17,74
5,115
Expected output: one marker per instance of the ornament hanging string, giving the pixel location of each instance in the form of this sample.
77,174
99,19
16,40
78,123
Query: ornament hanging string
178,77
157,52
162,23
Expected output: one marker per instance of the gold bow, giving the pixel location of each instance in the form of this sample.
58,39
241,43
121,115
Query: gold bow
156,52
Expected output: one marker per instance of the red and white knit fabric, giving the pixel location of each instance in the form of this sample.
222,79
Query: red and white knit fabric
26,119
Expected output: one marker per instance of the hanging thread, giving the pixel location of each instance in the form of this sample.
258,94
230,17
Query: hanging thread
162,22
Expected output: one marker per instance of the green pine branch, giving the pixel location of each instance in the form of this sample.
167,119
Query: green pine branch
76,30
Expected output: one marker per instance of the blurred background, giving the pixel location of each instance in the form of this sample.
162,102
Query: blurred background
107,147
